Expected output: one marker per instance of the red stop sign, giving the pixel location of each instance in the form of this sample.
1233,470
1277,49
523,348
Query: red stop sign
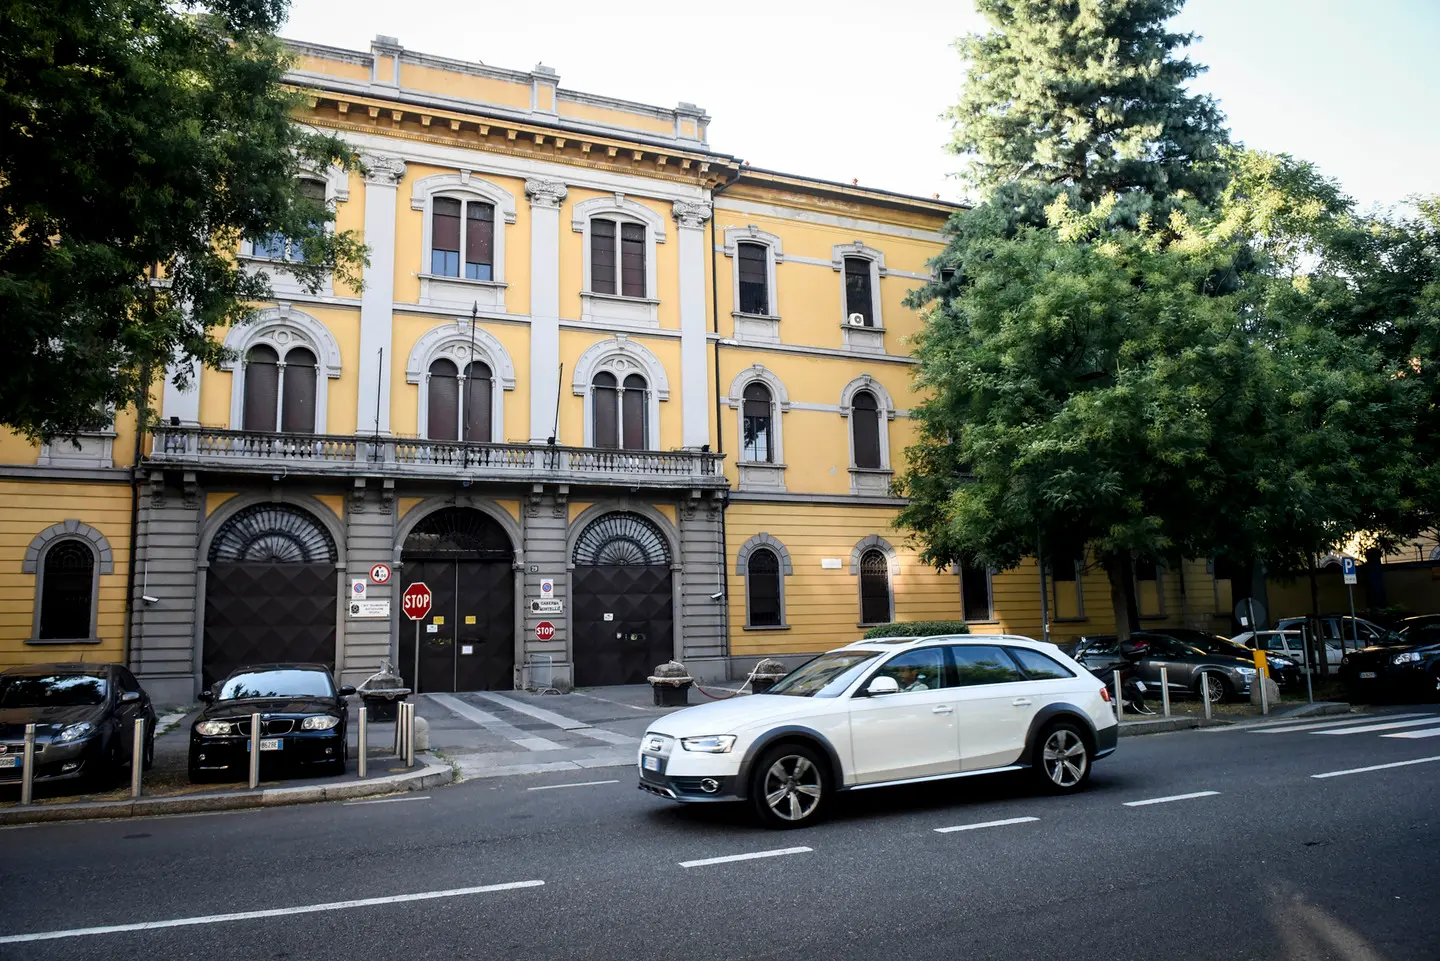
544,630
416,601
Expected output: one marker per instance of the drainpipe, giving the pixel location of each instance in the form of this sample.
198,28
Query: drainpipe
142,410
720,424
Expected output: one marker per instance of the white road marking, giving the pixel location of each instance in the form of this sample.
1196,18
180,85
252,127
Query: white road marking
608,701
552,787
560,720
268,913
387,800
1429,732
493,724
1376,767
984,824
1321,725
778,852
1173,797
1381,727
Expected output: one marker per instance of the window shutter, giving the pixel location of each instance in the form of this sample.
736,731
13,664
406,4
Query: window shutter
262,388
67,586
479,241
445,237
443,422
632,260
634,434
762,582
297,415
754,293
478,397
607,414
874,588
858,299
865,425
757,423
602,256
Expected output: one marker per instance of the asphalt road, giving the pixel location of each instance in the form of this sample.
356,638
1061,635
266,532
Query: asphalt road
1278,864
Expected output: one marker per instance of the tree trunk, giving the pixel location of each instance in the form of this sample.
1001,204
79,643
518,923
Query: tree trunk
1375,593
1312,623
1121,571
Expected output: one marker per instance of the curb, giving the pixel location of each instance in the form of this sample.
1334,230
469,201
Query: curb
1318,709
433,774
1165,725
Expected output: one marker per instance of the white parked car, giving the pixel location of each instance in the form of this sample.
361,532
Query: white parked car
1288,644
884,712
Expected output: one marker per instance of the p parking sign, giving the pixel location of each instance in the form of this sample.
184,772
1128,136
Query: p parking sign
1347,567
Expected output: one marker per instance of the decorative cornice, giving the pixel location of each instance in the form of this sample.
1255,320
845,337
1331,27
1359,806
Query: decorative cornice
383,170
544,193
689,213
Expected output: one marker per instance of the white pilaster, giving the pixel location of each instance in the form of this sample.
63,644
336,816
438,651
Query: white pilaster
694,381
184,404
546,197
383,176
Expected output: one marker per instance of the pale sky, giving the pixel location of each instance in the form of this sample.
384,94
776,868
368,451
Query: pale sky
845,90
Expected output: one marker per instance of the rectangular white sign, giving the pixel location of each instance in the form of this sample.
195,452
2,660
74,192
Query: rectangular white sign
547,587
830,563
547,607
357,589
369,608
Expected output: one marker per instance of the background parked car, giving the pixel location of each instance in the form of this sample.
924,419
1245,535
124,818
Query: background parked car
303,722
1284,670
1227,675
1407,670
1416,630
1343,630
84,717
1290,645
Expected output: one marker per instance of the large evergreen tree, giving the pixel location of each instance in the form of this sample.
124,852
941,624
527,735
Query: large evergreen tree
140,140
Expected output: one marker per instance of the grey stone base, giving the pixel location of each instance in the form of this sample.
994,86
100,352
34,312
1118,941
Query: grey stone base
168,689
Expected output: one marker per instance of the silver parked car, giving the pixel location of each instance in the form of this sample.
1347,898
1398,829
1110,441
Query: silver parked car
1288,644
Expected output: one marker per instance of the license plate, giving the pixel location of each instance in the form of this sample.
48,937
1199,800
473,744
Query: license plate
12,760
651,763
271,744
1367,675
1140,685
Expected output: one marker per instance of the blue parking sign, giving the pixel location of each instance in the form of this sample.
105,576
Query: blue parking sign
1347,567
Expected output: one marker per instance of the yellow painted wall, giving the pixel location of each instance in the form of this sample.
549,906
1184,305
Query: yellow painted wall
610,115
350,215
334,68
510,507
26,509
405,397
464,85
572,406
213,501
16,449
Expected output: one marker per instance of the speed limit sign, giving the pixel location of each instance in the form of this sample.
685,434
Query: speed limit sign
380,574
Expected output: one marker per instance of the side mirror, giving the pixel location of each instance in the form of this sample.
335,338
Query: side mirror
346,691
207,696
884,684
129,697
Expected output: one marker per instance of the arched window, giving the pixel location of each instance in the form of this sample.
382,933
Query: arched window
444,401
607,410
298,400
462,227
262,387
67,591
758,424
459,407
479,385
634,417
751,260
859,296
865,430
874,587
762,589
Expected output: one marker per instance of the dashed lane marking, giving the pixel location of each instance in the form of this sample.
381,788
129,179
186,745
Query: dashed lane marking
1429,732
1377,767
387,800
268,913
553,787
1167,800
778,852
984,824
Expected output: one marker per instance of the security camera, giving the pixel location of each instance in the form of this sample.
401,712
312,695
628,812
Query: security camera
149,599
717,595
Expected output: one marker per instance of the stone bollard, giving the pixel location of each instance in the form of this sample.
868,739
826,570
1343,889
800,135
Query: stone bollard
671,684
766,673
422,734
1272,691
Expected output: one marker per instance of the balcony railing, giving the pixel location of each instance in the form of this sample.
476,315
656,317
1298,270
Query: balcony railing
320,454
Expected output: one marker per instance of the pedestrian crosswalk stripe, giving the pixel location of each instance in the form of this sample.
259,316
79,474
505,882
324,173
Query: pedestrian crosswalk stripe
1340,723
1368,728
1428,732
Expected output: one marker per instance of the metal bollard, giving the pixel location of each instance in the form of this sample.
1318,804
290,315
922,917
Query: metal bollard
410,737
1165,689
254,751
1205,693
1260,676
137,757
399,728
364,741
27,772
1119,699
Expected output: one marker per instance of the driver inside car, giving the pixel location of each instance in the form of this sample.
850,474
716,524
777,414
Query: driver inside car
911,679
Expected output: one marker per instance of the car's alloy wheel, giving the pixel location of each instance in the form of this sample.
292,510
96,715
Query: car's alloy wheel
1215,685
1065,758
789,786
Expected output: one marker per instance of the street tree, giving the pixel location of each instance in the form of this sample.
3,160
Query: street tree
140,142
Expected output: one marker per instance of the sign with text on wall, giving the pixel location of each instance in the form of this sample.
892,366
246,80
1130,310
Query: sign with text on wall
357,589
547,607
369,608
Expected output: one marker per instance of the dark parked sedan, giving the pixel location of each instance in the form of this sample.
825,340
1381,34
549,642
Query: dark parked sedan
84,717
302,723
1410,669
1187,667
1284,671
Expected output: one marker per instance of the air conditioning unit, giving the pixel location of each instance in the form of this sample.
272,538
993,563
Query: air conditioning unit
857,320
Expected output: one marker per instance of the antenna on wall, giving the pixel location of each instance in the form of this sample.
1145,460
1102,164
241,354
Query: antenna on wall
555,434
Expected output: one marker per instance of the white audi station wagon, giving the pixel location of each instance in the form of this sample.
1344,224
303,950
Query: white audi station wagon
883,712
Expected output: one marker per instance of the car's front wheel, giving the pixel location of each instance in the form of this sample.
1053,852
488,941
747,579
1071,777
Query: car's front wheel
1216,685
788,787
1062,758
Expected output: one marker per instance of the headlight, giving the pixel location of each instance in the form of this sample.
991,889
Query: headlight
1406,658
320,722
710,744
1247,671
1345,659
1280,662
75,732
213,728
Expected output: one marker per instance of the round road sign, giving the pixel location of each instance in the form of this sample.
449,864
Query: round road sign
545,631
416,601
380,573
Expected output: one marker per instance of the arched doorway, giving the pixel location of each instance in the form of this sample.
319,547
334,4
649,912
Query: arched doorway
467,643
624,616
270,591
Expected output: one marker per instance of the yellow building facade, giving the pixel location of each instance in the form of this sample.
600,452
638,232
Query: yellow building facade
613,396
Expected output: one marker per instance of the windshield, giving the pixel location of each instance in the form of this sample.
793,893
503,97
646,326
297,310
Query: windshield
825,676
52,690
276,684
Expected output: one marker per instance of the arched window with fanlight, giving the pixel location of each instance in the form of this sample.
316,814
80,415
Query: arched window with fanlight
875,605
460,406
620,411
865,430
67,589
262,387
762,589
758,424
280,392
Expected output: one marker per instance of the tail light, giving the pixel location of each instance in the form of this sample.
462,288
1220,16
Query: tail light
1105,694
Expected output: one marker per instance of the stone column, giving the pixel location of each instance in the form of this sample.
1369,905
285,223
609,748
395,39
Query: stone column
694,379
382,178
546,196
